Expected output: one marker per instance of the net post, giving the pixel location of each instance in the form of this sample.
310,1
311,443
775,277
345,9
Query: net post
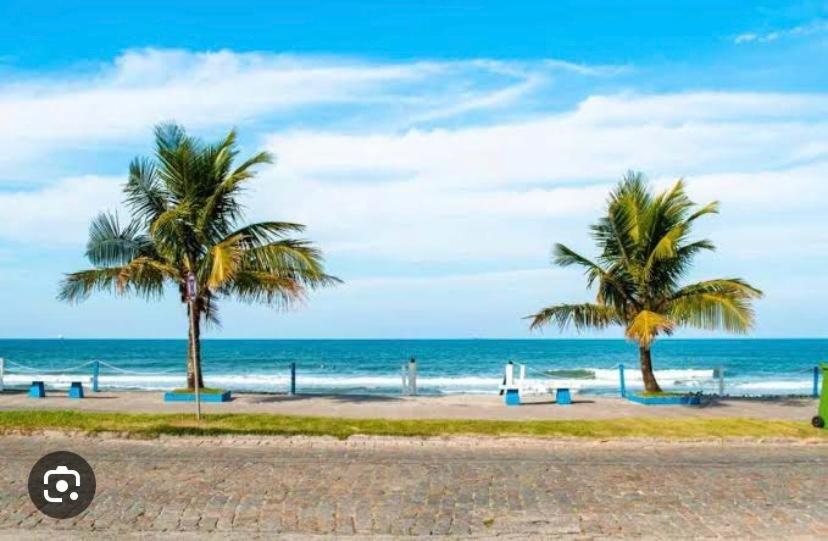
96,372
509,372
815,392
412,376
2,373
292,379
721,381
622,384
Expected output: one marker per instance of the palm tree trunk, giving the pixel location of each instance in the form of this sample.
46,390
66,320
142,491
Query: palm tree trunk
650,383
194,348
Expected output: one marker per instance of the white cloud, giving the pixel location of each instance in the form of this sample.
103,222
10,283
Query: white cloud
497,191
145,87
813,27
58,214
123,100
508,190
683,134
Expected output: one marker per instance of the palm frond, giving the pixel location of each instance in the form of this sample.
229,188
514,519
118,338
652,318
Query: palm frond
223,261
296,259
714,311
265,287
646,325
710,208
261,233
222,202
141,276
581,316
724,286
146,197
110,244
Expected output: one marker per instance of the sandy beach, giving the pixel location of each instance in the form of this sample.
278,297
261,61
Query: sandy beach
420,407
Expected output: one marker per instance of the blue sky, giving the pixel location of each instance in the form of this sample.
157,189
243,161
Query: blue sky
436,150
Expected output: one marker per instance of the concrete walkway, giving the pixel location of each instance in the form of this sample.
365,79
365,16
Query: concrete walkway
437,407
262,487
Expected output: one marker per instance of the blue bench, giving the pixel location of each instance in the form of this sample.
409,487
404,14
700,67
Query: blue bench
76,390
511,396
512,387
38,390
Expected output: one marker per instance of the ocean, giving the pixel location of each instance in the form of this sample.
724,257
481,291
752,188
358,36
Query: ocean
751,366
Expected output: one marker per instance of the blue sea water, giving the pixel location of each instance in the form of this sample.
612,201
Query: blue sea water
752,366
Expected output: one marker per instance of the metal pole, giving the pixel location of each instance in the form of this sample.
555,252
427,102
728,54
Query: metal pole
195,367
2,372
721,381
622,384
192,292
815,393
96,372
292,379
412,376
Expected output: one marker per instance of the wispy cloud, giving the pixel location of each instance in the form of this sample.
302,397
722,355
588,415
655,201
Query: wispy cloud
504,189
498,189
121,101
814,27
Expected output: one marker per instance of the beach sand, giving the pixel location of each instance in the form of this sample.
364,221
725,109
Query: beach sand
419,407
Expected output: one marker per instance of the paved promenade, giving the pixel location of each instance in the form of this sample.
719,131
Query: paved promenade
422,407
260,487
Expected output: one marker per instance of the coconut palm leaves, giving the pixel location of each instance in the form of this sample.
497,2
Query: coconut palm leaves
186,219
645,249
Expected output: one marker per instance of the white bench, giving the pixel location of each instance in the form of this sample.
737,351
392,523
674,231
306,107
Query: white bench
513,388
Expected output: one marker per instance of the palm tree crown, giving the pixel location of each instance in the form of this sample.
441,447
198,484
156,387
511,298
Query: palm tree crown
645,250
187,223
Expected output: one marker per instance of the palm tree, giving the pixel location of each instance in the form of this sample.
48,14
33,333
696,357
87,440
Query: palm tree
186,231
645,250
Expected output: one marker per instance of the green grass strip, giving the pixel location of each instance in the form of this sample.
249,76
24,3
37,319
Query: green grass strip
154,425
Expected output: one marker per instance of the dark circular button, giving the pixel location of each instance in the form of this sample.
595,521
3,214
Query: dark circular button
62,484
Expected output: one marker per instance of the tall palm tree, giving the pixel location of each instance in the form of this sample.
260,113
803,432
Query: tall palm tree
186,231
645,250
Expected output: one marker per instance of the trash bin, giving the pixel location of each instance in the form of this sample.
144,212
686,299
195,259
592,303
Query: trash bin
822,415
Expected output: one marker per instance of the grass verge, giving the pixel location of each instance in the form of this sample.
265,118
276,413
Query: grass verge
154,425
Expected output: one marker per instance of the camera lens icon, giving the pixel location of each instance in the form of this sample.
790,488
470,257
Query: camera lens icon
62,484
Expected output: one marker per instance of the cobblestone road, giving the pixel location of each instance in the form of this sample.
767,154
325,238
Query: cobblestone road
259,488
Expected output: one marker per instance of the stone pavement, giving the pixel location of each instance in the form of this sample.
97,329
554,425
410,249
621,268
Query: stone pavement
259,487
